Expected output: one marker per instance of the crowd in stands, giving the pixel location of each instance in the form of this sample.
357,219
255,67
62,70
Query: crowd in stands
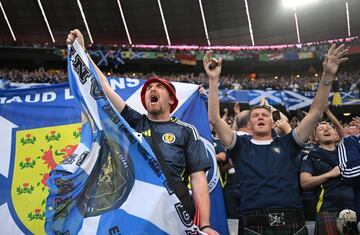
347,81
40,75
238,52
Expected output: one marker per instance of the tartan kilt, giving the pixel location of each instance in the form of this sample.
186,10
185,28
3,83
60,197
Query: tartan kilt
326,223
297,228
291,229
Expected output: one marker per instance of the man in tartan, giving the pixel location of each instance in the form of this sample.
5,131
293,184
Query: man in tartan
320,171
265,166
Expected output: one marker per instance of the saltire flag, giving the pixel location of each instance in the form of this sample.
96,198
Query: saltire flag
41,126
100,188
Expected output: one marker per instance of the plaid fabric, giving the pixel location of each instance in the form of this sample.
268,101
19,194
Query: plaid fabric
326,223
297,228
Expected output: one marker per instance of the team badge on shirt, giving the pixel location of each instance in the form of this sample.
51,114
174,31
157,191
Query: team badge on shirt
276,150
168,138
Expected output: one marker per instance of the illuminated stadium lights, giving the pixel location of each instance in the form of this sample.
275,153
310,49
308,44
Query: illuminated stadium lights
348,18
85,22
298,76
297,3
125,24
346,114
46,21
249,21
297,27
164,23
316,75
204,22
7,21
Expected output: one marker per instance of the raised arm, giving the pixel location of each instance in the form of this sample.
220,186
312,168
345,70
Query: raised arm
330,65
115,99
335,123
222,129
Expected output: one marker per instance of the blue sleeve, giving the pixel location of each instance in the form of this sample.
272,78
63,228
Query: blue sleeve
131,116
196,156
306,165
219,148
292,143
234,150
353,140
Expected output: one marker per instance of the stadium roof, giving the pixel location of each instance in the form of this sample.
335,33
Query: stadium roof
177,22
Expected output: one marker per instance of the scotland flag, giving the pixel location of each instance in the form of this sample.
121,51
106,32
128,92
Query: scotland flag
112,183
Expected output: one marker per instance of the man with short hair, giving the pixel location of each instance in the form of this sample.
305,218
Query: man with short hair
242,121
179,142
320,171
268,178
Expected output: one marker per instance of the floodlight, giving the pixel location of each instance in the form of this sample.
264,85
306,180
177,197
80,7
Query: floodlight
297,3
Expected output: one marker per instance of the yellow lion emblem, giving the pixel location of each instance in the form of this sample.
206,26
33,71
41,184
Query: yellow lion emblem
168,138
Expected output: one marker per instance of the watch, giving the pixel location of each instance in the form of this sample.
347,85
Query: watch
327,82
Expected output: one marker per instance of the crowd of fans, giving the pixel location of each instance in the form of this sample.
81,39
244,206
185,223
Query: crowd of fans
237,119
347,81
40,75
236,52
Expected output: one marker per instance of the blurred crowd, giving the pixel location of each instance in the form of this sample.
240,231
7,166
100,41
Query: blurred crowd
346,81
40,75
237,52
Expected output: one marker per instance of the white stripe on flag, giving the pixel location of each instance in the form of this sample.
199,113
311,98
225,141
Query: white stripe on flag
157,209
91,159
89,225
183,92
10,226
83,88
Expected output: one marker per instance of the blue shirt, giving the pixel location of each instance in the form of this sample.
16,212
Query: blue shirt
349,154
333,194
219,148
180,144
266,171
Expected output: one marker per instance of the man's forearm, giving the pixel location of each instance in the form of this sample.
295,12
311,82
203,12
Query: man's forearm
213,101
320,101
336,123
309,182
201,196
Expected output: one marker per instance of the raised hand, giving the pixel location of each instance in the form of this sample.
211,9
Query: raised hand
75,34
201,90
213,73
283,125
334,58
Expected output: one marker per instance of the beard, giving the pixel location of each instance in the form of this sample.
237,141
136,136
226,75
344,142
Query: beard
327,141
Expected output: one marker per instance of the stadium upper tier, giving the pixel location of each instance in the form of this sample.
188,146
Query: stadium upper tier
346,81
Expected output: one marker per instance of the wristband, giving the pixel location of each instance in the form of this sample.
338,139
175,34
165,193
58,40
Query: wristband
204,227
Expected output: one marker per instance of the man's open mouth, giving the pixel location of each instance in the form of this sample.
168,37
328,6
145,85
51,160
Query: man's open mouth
154,99
261,124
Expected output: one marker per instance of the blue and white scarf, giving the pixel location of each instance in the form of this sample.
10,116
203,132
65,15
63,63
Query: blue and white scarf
112,184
